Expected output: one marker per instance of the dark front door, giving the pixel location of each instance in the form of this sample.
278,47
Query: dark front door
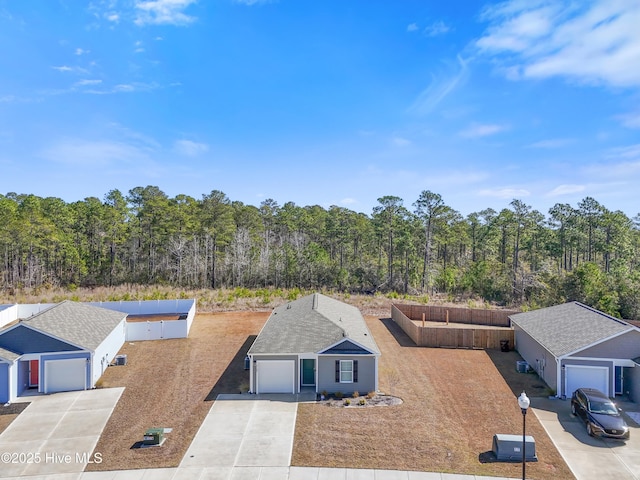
308,371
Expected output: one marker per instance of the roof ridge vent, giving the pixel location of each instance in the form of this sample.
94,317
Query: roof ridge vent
315,302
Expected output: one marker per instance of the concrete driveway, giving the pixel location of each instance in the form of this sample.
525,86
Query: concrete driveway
244,432
56,433
588,457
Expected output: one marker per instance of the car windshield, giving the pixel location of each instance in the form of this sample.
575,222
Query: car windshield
605,408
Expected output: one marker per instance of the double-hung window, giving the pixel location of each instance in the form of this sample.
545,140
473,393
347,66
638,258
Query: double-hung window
346,371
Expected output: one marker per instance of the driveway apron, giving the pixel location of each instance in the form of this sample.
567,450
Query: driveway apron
56,433
589,458
245,431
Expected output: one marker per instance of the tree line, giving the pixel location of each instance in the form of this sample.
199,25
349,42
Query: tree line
517,256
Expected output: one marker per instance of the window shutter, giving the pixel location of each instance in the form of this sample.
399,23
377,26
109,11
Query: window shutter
355,371
337,371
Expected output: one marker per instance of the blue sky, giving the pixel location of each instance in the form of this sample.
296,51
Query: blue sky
324,102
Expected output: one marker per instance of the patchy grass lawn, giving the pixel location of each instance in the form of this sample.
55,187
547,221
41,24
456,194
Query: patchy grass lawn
454,402
172,383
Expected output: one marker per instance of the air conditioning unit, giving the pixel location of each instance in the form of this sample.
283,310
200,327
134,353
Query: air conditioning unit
120,360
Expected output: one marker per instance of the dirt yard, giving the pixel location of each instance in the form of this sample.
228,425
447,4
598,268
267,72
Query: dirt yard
9,412
454,401
172,383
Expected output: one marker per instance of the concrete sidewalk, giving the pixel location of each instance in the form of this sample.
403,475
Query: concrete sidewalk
260,473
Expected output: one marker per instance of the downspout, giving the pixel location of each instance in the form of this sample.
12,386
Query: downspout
559,382
251,374
376,372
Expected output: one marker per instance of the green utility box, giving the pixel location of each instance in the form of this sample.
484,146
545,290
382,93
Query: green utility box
153,436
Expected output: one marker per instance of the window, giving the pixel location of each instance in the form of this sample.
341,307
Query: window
346,371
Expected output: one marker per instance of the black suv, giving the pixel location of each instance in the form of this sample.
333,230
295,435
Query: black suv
600,414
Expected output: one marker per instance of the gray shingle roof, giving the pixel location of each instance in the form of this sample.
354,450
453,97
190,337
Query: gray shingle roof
312,324
569,327
80,324
8,355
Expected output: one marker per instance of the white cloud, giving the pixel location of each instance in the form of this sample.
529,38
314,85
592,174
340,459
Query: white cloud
87,153
400,142
630,151
85,82
436,28
252,2
189,148
595,42
412,27
163,12
478,130
504,192
112,17
348,201
81,51
439,88
566,190
553,143
630,120
66,68
122,88
7,98
622,163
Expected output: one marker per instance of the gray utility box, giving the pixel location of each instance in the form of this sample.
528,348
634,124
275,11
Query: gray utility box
508,448
153,436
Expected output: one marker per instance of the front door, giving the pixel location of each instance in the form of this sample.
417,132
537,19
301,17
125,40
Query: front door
33,373
308,372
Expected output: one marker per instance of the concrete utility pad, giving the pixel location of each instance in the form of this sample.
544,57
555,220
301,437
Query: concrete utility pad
56,434
589,458
245,431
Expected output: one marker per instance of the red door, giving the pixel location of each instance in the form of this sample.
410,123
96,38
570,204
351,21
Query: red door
33,373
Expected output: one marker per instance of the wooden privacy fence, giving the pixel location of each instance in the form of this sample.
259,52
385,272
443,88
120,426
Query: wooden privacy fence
497,318
451,336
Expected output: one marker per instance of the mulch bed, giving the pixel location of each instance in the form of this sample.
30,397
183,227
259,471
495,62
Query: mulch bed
454,401
361,401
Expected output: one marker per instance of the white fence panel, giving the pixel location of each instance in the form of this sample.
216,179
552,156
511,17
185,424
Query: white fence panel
175,329
8,313
163,329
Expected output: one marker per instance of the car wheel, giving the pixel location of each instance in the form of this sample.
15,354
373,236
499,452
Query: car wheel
573,409
589,430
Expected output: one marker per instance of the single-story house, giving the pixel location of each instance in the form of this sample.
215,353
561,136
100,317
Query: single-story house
573,345
65,347
315,342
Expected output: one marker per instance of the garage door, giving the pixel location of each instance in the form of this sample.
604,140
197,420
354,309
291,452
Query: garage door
581,376
275,376
65,375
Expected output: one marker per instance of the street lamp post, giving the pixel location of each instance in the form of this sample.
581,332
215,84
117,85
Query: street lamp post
523,402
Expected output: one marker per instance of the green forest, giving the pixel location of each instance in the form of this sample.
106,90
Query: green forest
516,257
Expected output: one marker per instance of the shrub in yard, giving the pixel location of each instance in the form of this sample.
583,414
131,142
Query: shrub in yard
355,394
370,395
362,401
338,395
347,402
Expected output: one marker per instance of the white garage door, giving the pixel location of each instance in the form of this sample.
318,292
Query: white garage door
275,376
581,376
65,375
